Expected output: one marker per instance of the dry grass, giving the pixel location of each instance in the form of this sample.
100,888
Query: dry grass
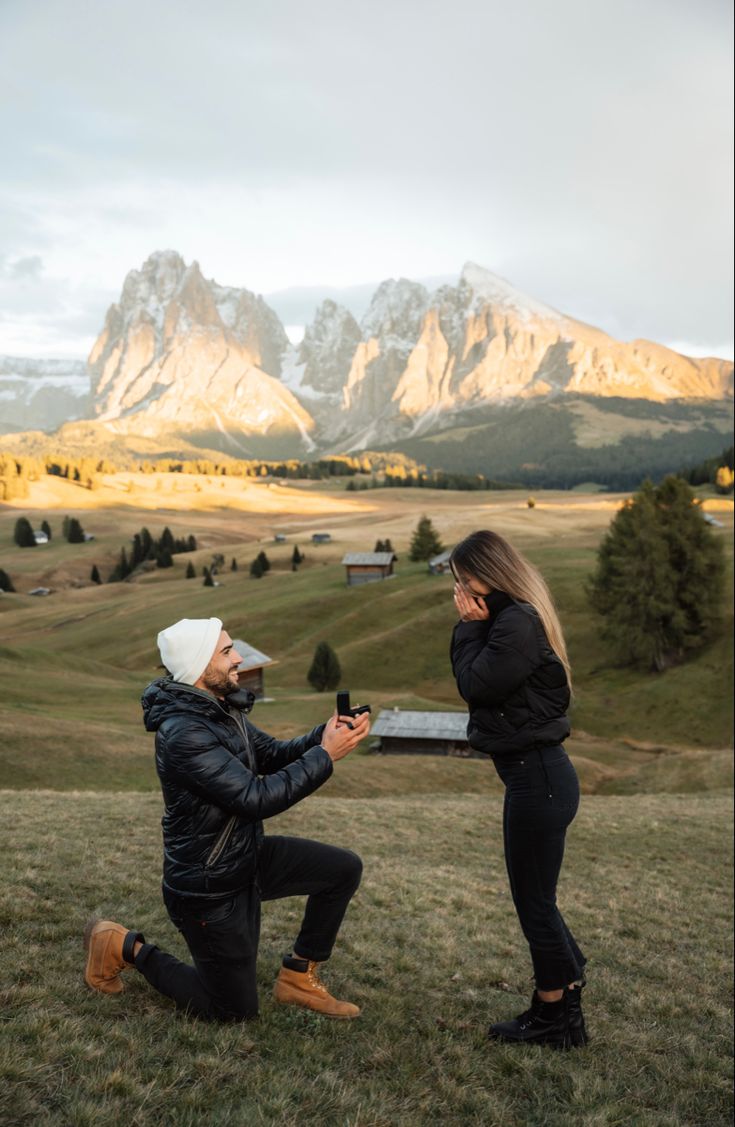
430,948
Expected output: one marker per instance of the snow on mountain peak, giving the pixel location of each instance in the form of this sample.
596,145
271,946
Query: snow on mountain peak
492,288
400,303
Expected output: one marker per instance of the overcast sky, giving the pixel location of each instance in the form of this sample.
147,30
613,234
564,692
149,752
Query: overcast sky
582,149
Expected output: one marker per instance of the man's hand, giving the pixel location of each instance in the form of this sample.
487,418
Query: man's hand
343,733
469,608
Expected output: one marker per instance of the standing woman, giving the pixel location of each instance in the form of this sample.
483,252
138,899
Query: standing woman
511,667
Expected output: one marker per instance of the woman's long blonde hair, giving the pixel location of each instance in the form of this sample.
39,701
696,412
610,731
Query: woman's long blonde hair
490,558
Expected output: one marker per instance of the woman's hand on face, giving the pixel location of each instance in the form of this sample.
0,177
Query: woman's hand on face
469,608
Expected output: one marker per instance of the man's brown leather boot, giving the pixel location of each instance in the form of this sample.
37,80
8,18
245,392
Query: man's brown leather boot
109,948
298,984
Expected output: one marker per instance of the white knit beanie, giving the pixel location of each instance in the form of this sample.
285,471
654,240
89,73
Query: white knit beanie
187,647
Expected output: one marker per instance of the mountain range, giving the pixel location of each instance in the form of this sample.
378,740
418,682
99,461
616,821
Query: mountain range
183,363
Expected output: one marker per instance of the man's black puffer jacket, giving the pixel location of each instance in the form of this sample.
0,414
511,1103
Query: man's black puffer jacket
209,759
513,682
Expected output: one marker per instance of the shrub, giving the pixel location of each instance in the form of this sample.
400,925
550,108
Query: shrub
324,672
6,582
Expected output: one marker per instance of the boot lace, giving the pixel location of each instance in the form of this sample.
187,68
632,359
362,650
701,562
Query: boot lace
312,975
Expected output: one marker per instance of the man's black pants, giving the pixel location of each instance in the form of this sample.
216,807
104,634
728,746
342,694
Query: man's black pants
222,935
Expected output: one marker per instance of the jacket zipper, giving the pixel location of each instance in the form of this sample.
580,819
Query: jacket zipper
224,837
221,842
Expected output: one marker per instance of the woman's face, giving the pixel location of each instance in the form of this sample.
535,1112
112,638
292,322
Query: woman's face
473,587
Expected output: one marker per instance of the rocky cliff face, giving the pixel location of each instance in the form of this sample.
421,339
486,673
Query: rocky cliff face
180,354
327,349
42,394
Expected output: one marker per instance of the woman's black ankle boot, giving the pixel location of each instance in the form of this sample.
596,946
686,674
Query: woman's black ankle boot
577,1033
558,1024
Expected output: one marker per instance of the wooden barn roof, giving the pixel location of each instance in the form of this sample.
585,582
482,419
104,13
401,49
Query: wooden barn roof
251,658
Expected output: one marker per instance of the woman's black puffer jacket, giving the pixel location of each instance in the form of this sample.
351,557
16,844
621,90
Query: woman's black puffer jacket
514,684
209,759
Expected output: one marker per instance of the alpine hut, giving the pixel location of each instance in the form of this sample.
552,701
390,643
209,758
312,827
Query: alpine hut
367,567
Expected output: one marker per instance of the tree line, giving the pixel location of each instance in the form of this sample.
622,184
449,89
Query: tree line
146,548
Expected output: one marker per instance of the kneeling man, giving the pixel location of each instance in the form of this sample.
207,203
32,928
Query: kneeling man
221,776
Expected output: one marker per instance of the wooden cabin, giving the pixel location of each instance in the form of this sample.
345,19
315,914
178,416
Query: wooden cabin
439,565
250,670
367,567
321,537
408,732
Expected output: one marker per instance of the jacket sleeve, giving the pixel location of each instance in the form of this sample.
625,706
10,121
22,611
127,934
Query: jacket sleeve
272,754
490,665
196,759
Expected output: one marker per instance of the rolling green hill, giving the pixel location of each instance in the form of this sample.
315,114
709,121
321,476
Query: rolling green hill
73,665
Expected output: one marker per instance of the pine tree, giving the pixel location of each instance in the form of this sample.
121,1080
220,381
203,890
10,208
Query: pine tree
6,582
137,554
146,543
265,563
190,570
233,565
425,541
75,534
659,577
23,534
121,569
379,546
297,557
94,574
46,527
324,672
208,581
164,557
256,568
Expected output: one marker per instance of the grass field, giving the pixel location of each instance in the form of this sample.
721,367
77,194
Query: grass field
73,664
430,949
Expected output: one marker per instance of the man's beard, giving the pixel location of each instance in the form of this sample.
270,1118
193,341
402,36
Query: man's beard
220,684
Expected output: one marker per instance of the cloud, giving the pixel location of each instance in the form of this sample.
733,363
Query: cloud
581,150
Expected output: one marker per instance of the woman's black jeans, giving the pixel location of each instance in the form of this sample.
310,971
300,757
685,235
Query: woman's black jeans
222,935
541,800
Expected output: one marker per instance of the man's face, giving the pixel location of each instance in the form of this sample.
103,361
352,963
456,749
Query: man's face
220,676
